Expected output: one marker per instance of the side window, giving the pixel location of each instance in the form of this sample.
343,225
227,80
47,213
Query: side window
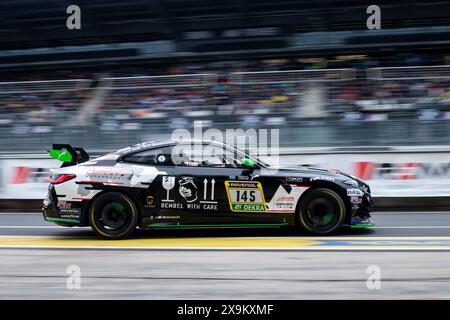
203,156
158,156
217,157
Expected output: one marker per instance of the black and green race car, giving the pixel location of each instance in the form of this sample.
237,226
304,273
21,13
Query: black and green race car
198,184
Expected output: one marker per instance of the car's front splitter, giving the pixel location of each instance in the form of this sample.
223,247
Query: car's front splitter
361,223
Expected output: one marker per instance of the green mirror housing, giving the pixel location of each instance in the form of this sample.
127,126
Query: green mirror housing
248,163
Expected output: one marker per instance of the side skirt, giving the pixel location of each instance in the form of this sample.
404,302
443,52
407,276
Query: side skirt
231,225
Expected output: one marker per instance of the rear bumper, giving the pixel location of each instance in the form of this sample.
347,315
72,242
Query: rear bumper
52,215
51,212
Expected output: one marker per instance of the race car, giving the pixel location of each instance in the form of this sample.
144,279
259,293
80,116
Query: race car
195,184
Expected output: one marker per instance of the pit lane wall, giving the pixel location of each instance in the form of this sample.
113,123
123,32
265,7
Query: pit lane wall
399,177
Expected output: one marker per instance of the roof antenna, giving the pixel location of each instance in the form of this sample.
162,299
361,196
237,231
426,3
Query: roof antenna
140,141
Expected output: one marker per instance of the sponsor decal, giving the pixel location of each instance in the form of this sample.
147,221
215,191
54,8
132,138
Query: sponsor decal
354,193
356,200
202,206
244,178
64,205
188,189
161,159
70,213
285,202
109,173
208,202
321,178
149,201
205,189
293,179
189,192
171,205
168,183
245,196
164,217
189,206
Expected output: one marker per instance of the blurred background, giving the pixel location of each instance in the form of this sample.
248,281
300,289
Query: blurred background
372,103
138,69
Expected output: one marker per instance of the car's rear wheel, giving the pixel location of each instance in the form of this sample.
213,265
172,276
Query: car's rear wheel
321,212
113,215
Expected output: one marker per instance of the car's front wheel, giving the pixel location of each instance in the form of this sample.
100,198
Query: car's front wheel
321,211
113,215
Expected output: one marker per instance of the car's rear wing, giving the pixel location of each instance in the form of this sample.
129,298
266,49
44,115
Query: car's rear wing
68,155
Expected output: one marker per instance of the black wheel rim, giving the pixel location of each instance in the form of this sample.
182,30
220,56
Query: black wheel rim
114,216
322,214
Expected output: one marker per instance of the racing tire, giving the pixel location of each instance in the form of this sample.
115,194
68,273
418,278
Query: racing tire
113,215
321,212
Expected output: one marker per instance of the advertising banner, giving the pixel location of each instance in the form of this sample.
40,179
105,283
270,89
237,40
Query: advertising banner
388,174
403,174
25,178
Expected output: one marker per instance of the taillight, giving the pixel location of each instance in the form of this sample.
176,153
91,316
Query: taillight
60,178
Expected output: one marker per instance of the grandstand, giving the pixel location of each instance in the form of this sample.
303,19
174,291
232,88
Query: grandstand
146,67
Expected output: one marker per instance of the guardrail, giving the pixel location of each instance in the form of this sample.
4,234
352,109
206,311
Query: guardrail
307,133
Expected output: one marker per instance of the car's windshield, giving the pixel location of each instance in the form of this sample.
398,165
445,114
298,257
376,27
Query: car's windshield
243,155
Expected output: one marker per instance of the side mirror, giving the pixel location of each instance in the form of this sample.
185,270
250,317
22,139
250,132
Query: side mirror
248,163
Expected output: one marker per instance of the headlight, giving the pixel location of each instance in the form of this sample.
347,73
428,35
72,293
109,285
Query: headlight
351,183
365,188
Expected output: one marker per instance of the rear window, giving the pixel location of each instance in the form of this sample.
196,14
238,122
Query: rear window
158,156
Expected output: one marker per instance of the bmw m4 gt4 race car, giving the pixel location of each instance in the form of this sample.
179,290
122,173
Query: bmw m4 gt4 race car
174,185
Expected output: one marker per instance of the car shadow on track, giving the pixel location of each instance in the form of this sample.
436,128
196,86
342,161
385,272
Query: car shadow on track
238,232
87,233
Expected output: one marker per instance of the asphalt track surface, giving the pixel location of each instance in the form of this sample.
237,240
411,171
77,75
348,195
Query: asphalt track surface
411,250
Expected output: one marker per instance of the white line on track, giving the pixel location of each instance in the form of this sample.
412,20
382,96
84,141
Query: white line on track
33,227
19,213
372,213
412,227
386,227
376,213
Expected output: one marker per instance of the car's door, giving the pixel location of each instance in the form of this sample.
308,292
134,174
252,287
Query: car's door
216,188
153,167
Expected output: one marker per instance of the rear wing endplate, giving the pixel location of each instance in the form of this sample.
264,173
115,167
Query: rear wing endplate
68,155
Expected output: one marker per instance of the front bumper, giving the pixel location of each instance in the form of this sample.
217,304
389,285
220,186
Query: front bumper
361,207
358,222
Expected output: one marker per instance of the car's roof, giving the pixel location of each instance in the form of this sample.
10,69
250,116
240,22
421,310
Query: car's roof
152,144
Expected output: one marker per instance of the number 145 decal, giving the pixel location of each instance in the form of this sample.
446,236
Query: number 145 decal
245,196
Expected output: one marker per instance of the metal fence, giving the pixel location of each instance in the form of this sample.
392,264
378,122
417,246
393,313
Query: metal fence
292,134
